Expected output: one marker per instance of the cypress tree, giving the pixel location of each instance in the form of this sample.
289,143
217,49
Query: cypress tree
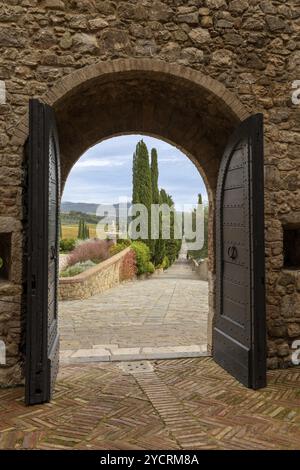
79,230
141,179
83,230
158,246
202,253
141,187
163,197
172,246
154,177
134,178
194,211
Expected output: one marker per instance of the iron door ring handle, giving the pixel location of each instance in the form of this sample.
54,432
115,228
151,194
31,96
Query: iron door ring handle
232,252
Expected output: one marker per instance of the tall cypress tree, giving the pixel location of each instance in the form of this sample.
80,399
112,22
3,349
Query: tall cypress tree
134,177
154,177
79,229
83,230
172,246
141,179
202,253
158,246
194,211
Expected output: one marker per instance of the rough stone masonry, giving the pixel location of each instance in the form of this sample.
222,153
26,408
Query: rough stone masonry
249,46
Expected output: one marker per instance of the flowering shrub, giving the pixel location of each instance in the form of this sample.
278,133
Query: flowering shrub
128,268
95,250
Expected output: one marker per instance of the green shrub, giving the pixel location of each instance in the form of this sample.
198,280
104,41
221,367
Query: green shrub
77,269
172,249
166,263
67,244
72,271
124,242
150,267
114,249
142,254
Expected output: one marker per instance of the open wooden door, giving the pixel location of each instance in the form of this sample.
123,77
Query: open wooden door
43,198
239,334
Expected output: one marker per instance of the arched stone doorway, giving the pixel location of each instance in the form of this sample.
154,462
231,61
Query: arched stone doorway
183,107
177,104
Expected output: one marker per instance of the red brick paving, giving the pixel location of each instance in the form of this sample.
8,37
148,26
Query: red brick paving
184,403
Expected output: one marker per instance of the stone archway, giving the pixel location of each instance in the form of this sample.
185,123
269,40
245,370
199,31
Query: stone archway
181,106
63,45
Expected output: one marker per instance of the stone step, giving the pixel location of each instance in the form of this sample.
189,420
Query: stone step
111,353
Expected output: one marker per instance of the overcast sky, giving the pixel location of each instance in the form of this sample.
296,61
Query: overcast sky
104,173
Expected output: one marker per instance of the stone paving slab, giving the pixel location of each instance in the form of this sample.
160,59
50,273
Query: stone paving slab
167,310
172,404
89,355
104,353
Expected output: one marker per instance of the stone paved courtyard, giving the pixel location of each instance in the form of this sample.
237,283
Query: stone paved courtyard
167,310
179,404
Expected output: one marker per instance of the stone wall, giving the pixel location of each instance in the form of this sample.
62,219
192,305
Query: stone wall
251,47
94,280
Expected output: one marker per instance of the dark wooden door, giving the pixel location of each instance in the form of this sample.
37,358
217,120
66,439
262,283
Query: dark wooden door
239,335
43,196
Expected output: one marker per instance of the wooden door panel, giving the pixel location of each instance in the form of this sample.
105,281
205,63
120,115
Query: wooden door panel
236,311
233,197
239,335
234,179
43,186
235,273
234,215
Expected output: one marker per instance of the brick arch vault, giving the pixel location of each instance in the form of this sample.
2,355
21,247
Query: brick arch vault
184,107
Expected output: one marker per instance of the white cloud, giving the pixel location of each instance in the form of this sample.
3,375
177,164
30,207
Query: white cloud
93,163
170,159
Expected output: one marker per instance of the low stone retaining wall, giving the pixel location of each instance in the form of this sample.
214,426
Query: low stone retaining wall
94,280
201,269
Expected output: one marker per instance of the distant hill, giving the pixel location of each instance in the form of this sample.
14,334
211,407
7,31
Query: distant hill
85,207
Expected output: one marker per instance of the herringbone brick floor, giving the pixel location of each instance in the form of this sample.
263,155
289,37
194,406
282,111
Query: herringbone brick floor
184,403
